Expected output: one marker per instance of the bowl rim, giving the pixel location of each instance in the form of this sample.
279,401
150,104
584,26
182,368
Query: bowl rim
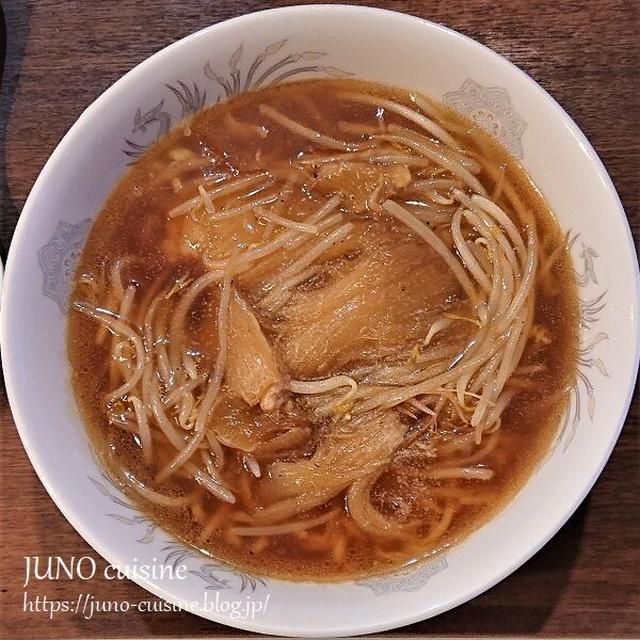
16,398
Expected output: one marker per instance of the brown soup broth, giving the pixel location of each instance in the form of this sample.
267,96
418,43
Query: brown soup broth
158,252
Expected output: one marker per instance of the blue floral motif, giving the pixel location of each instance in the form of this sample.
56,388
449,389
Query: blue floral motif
273,65
191,100
491,109
411,579
131,519
58,257
219,576
262,73
157,120
589,364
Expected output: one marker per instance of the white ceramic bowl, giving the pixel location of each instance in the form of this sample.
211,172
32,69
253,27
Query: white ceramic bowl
273,46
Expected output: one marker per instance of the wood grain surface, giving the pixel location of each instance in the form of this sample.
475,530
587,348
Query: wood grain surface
61,54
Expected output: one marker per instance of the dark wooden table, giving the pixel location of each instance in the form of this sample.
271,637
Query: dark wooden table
61,54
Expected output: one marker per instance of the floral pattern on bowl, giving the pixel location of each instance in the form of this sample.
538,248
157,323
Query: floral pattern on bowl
275,64
412,578
57,259
593,302
491,109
